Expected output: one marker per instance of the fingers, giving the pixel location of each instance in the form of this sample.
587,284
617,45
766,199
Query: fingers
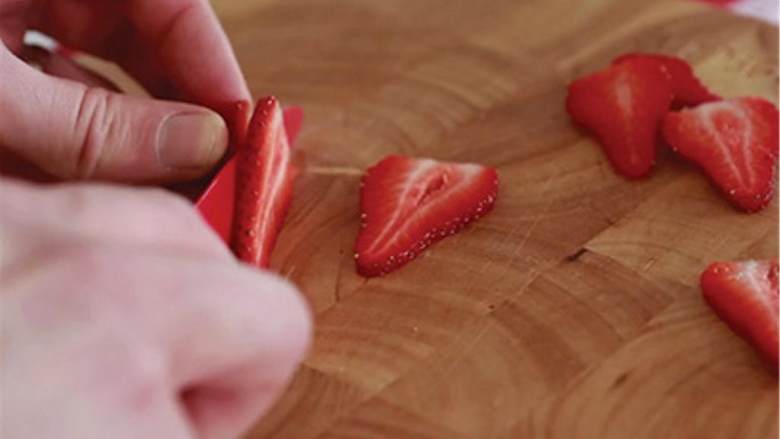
105,384
192,49
74,131
148,218
229,337
123,406
175,48
235,340
146,342
62,67
13,14
197,339
151,75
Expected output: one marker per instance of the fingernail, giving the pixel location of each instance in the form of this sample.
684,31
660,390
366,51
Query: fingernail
192,140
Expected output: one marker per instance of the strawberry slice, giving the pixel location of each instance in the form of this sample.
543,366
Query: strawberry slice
408,204
745,296
686,87
623,106
735,141
216,203
264,181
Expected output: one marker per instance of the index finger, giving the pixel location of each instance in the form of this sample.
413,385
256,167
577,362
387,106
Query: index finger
192,48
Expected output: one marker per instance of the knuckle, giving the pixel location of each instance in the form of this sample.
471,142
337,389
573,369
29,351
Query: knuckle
97,126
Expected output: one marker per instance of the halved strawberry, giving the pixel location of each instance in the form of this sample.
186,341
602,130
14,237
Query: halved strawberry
264,180
623,105
408,204
686,87
745,296
735,141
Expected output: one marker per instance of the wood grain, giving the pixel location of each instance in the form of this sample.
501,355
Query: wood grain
573,309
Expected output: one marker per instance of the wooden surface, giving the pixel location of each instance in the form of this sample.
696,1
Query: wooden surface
572,311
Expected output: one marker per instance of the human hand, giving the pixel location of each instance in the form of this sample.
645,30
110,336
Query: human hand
124,317
69,124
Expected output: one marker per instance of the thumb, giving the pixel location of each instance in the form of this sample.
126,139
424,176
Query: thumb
74,131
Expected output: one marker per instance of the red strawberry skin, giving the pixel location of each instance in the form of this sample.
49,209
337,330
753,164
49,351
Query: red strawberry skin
264,182
686,87
623,106
408,204
237,115
745,296
735,141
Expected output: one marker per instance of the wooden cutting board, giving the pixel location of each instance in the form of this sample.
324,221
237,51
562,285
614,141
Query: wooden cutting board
572,311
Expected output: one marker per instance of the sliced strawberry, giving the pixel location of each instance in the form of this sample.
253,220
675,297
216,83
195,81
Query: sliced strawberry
264,181
408,204
623,105
686,87
745,296
735,142
216,204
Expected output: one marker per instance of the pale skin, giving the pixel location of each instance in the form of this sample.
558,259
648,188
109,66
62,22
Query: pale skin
122,314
